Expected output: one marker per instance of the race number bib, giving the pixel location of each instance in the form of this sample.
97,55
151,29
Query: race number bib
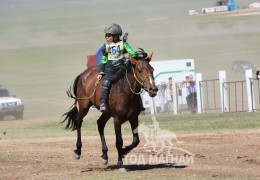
115,51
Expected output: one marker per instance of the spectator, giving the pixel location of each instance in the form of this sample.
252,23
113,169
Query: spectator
162,95
191,98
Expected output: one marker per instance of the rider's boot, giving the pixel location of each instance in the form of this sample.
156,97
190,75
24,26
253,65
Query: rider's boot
104,95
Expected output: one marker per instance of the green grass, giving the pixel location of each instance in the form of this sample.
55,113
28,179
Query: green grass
180,124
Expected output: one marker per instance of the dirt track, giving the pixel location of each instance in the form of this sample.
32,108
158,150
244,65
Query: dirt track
227,155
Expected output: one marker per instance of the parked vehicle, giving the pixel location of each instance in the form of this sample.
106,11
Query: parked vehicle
239,66
10,105
193,12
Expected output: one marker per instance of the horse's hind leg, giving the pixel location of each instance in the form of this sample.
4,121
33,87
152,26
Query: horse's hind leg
101,125
83,111
134,127
119,141
77,152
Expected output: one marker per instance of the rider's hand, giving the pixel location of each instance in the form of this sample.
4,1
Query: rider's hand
99,77
125,37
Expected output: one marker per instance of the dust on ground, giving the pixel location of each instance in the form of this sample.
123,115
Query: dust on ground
233,155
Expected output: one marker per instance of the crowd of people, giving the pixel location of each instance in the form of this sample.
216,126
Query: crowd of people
187,84
166,93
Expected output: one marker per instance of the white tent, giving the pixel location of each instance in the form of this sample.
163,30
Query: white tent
254,5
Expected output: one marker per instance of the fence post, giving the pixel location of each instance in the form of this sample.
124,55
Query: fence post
223,92
175,96
249,90
152,106
199,93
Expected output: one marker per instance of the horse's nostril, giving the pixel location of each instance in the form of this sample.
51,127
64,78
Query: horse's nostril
152,91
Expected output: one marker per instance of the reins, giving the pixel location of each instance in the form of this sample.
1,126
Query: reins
69,93
136,93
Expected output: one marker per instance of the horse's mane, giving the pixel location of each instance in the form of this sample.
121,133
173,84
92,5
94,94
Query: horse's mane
141,54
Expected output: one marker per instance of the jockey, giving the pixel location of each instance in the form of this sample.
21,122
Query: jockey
113,56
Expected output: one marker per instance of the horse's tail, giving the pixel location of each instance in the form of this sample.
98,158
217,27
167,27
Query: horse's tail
75,87
72,114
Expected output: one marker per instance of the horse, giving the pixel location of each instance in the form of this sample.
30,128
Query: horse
124,103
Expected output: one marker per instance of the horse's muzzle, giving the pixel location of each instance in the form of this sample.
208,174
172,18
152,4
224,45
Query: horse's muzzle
152,91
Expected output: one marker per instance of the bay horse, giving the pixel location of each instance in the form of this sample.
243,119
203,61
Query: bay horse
124,103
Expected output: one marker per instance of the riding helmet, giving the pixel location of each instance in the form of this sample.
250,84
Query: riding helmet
114,29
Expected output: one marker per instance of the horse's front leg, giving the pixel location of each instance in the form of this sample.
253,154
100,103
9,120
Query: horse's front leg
135,142
77,152
119,142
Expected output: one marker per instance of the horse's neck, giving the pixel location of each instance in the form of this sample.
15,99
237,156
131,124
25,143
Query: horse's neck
131,81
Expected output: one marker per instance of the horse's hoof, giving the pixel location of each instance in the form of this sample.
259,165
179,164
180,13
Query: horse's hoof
103,161
122,170
76,156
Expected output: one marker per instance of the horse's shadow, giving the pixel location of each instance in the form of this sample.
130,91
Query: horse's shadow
137,167
150,166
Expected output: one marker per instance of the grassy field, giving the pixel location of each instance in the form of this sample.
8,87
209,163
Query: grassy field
181,124
44,44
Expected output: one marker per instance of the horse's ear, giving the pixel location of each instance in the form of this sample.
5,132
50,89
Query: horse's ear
132,60
149,58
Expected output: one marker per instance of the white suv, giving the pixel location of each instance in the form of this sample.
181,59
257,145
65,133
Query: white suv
193,12
10,105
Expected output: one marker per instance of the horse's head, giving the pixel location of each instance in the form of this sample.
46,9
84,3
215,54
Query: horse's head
143,73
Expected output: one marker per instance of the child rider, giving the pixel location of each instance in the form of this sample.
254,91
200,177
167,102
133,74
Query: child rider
113,56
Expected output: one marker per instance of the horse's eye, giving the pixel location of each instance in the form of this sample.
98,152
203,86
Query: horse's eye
140,71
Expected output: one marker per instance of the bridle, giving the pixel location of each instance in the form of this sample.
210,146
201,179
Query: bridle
141,82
